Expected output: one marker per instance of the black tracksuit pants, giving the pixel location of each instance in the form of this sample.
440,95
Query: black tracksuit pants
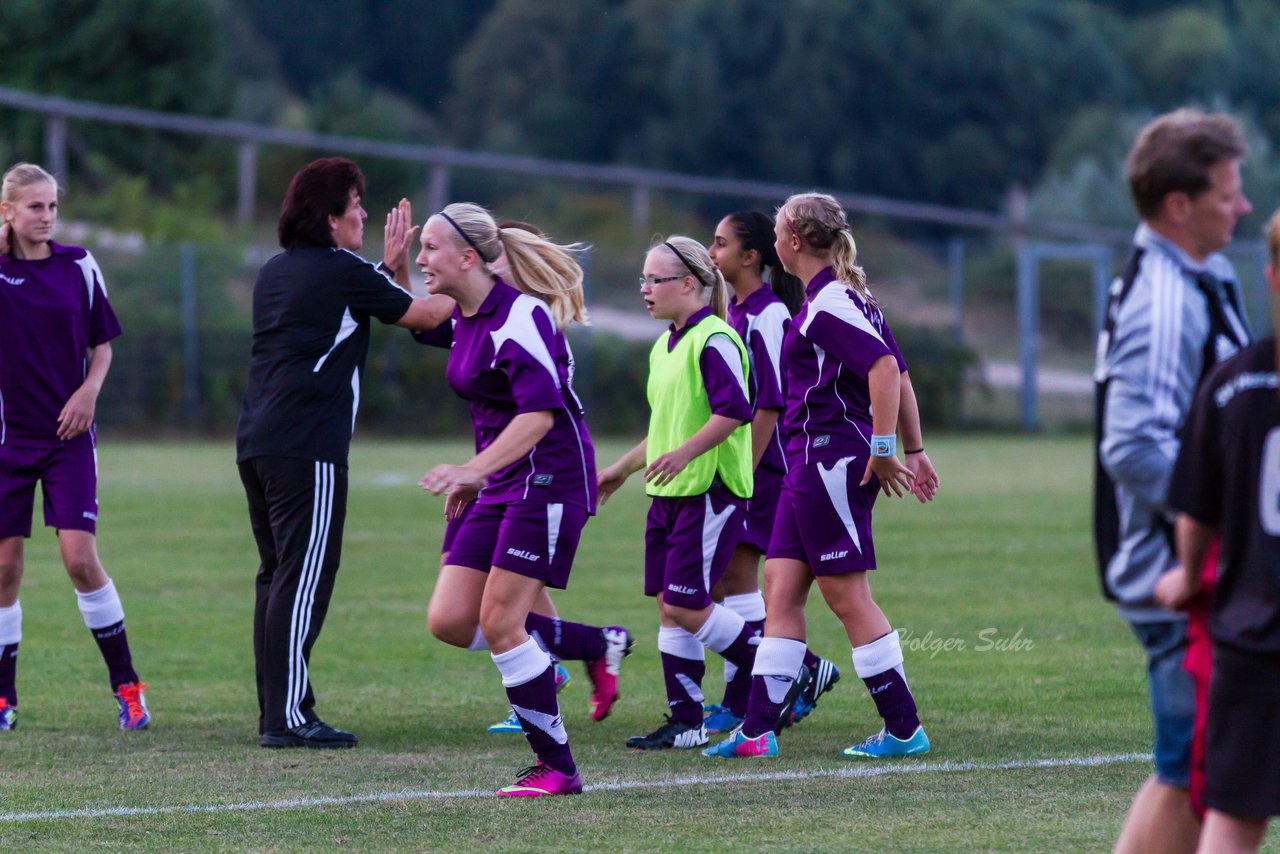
297,509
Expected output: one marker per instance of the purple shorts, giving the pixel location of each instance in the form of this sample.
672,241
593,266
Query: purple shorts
688,543
824,517
525,537
68,476
452,526
762,509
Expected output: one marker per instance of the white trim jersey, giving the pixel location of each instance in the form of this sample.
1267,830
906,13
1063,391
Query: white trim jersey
311,313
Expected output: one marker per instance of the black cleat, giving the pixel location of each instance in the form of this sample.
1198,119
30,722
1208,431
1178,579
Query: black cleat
315,734
675,734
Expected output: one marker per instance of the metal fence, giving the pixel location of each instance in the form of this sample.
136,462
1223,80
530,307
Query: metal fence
1023,298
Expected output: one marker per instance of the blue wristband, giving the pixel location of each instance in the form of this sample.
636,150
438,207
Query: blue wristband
884,446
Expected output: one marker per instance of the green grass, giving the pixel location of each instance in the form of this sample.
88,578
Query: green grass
1004,550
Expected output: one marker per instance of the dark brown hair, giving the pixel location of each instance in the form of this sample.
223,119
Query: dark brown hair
754,230
321,189
1174,153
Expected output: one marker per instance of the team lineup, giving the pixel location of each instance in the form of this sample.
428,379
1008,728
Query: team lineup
781,408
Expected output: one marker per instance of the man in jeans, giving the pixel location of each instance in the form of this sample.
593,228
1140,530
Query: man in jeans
1172,314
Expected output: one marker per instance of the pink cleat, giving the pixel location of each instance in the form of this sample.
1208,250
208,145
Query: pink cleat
540,781
603,672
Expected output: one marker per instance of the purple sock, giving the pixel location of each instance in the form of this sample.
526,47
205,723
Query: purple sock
737,688
8,668
777,663
894,702
114,645
530,680
810,660
684,687
565,640
879,665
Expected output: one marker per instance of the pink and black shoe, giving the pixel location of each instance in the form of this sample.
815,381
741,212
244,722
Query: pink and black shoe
603,672
540,781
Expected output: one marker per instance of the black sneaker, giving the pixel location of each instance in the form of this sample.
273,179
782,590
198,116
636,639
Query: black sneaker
675,734
316,734
793,694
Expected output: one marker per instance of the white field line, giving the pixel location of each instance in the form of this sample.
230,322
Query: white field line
850,772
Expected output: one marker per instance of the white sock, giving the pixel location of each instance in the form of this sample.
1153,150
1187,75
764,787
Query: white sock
11,624
778,660
749,605
522,664
674,640
478,642
721,629
883,653
100,608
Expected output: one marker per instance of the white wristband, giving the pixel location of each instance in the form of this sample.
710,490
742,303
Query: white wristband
884,446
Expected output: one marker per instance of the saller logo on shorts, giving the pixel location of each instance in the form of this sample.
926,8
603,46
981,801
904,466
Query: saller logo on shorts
524,555
686,591
834,555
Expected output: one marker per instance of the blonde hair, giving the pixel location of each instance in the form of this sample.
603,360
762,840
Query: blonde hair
539,267
819,221
23,175
692,258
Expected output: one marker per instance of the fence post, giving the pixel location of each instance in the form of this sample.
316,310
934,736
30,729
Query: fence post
437,189
246,178
55,146
640,202
1028,313
955,284
190,349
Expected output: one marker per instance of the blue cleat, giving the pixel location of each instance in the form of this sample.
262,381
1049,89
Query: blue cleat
883,745
720,719
562,677
821,680
8,715
511,723
133,706
737,745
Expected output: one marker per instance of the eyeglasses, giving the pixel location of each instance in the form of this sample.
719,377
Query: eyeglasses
647,282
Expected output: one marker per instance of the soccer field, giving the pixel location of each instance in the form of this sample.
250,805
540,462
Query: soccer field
1030,687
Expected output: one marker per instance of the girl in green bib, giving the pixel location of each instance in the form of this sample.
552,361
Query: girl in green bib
697,461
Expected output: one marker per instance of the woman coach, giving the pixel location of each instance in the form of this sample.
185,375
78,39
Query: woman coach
312,306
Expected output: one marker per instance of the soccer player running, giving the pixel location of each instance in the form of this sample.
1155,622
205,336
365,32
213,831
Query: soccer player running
848,391
697,468
760,312
532,479
313,305
453,615
1226,483
56,328
1172,314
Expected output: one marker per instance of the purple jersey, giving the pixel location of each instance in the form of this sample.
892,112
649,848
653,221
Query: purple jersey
721,367
509,358
761,321
52,311
828,352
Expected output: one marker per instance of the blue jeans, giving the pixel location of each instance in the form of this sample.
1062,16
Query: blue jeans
1173,698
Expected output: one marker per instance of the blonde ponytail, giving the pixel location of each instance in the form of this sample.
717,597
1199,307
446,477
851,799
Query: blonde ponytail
819,221
548,271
